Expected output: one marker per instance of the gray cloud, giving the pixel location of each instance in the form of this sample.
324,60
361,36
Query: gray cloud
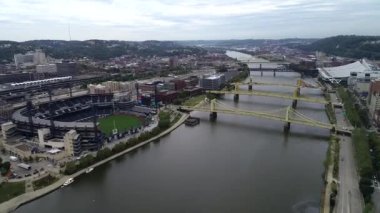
191,19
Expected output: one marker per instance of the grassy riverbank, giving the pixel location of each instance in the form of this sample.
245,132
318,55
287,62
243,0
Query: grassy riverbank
43,182
194,100
329,108
11,190
331,164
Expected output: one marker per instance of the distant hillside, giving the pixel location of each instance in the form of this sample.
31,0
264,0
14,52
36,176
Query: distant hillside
348,46
94,49
245,43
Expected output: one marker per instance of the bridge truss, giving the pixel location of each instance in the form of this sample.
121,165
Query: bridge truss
295,97
287,115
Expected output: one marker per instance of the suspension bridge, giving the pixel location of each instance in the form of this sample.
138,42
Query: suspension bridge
287,115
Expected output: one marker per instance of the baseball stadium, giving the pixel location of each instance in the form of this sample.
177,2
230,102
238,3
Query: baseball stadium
97,118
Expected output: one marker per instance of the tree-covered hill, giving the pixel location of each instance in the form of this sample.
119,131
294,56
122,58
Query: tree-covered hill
95,49
351,46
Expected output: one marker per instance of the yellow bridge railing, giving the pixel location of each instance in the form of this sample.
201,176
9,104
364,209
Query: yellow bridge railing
287,115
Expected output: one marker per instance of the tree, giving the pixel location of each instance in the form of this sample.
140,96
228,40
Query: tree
118,148
25,159
365,186
103,153
164,120
86,161
71,168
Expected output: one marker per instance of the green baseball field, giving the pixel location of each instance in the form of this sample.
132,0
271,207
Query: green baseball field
121,122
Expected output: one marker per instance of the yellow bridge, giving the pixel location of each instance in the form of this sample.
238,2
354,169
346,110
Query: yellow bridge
295,97
287,115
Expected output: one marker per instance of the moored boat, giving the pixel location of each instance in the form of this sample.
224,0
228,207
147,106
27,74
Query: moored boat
89,170
68,181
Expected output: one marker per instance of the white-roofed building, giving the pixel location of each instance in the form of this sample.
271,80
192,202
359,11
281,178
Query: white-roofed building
337,74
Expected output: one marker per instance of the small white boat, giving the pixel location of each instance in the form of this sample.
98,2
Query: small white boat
68,181
89,170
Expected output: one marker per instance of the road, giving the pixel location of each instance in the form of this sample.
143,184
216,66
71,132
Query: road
349,198
198,73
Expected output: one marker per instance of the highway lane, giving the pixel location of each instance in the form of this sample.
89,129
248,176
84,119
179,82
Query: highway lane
349,198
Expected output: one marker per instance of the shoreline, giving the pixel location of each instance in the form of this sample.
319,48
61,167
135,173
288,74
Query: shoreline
14,203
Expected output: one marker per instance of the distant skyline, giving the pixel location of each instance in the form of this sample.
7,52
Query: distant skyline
138,20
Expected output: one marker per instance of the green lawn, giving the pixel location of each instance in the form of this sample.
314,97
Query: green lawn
11,190
122,123
194,100
43,182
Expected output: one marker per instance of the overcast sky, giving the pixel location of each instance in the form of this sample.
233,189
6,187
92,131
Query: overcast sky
185,20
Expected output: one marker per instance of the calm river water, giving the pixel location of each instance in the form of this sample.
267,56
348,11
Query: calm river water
237,164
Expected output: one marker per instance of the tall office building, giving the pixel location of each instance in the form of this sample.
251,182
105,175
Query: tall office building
30,59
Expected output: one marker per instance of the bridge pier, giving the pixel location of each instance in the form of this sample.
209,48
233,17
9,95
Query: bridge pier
287,127
274,73
213,116
71,92
294,104
261,73
236,97
298,91
250,87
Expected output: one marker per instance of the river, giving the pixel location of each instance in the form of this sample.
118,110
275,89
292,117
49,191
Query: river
237,164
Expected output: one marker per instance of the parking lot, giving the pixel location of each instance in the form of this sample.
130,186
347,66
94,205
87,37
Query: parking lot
18,172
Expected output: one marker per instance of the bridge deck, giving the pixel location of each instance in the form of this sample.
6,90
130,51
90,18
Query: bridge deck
288,115
271,94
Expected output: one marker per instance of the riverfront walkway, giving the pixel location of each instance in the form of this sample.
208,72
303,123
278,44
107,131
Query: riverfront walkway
14,203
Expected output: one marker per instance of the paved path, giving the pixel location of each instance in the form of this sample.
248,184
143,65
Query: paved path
12,204
329,178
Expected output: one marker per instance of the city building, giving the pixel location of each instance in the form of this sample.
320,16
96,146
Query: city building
173,62
147,87
98,89
8,129
30,59
193,91
167,97
46,68
178,84
192,81
110,87
72,143
66,68
360,82
374,100
212,82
